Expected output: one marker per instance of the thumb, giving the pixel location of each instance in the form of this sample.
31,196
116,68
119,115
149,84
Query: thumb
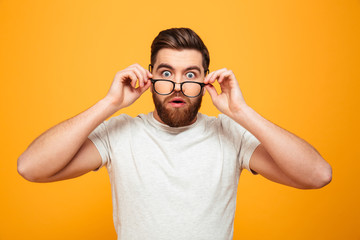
144,88
212,91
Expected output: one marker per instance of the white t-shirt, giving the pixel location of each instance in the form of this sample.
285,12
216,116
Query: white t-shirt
173,183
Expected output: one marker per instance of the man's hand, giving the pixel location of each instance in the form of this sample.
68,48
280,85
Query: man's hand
123,91
230,101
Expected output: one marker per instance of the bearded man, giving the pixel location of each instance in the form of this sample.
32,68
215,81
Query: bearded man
174,172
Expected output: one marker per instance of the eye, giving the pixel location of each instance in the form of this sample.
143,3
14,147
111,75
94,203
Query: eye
166,74
190,75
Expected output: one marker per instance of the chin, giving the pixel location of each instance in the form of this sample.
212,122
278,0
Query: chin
177,116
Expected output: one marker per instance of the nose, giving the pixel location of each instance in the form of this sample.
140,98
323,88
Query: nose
177,81
177,87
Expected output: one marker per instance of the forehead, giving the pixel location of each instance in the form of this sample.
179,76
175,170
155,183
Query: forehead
179,59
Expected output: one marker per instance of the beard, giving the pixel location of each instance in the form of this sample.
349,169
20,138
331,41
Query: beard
177,117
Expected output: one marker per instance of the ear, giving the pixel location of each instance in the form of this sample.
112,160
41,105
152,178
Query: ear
150,68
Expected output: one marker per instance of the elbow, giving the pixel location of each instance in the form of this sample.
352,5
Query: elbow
23,170
323,177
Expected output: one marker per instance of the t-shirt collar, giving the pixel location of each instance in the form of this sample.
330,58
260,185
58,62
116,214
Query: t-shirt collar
159,125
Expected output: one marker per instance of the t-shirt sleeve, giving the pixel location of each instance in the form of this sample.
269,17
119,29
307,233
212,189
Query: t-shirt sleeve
248,145
243,141
100,138
107,135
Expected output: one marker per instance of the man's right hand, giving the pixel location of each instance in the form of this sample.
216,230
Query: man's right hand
123,91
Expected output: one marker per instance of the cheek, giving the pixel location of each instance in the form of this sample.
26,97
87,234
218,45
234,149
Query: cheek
158,97
196,100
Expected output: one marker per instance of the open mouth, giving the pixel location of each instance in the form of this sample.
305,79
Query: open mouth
177,102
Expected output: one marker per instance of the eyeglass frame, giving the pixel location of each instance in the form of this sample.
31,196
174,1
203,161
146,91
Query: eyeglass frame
153,81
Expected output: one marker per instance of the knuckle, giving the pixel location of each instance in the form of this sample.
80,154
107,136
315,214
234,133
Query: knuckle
136,65
127,73
132,75
119,72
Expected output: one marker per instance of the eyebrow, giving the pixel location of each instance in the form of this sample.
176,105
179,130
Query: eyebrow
165,65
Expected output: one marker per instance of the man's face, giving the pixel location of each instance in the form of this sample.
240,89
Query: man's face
177,110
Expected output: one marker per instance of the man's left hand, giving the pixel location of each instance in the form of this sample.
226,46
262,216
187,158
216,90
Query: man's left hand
230,101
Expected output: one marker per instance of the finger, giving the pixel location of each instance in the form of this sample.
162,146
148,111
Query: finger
144,88
224,75
206,80
140,72
143,72
212,91
216,75
130,75
139,76
210,75
149,74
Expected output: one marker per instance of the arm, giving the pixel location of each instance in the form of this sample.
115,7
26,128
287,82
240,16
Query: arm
281,157
64,151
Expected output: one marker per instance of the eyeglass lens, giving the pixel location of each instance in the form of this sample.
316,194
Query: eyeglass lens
189,89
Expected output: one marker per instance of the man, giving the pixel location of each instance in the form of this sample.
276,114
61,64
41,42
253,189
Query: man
174,172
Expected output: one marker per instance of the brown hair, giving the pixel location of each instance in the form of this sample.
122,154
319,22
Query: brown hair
180,38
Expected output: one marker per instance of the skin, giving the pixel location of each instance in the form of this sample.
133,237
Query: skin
64,151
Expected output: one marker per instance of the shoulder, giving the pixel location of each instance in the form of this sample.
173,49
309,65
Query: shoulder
220,122
206,118
117,119
220,119
228,126
118,122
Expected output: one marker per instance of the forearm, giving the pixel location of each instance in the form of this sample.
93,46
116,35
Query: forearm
294,156
55,148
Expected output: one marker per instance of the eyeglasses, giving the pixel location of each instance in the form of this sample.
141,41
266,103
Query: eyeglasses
165,87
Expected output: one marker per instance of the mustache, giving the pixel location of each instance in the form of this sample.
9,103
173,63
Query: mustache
177,94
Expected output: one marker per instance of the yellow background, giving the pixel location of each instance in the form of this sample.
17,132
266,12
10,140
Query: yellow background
297,63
